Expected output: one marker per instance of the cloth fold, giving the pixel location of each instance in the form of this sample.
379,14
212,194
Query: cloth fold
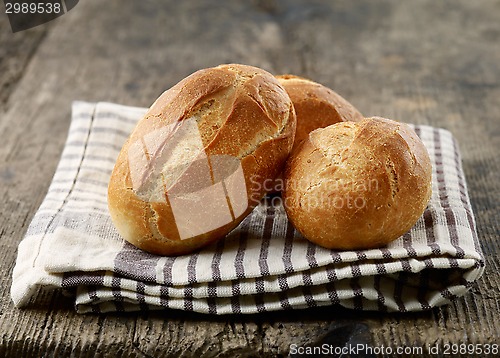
262,265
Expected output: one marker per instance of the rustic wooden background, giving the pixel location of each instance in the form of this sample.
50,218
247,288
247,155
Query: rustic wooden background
426,61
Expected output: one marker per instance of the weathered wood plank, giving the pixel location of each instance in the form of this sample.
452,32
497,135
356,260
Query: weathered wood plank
421,62
15,54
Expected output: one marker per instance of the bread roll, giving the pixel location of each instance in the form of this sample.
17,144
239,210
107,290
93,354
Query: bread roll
357,185
316,106
193,167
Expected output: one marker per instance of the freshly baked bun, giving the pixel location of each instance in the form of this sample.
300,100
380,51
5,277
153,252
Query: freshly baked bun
357,185
194,166
316,106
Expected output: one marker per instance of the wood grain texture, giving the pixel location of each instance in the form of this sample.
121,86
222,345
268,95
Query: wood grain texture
422,62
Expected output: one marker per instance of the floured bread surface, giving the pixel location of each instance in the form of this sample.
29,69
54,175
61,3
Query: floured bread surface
358,185
193,167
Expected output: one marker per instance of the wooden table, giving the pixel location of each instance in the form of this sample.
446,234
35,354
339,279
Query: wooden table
428,62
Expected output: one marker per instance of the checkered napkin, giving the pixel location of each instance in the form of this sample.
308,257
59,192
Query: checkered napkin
262,265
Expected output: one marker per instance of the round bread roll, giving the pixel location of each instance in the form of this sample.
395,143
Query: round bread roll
193,167
357,185
316,106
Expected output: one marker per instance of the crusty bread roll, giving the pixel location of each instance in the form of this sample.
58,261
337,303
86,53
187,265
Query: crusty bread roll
357,185
316,106
193,167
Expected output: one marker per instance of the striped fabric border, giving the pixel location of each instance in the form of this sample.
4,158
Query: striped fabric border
262,265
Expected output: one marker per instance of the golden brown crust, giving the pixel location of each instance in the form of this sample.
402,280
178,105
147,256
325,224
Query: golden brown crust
316,106
357,185
230,111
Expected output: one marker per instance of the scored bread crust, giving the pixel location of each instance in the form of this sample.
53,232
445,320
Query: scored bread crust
240,111
378,162
316,106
